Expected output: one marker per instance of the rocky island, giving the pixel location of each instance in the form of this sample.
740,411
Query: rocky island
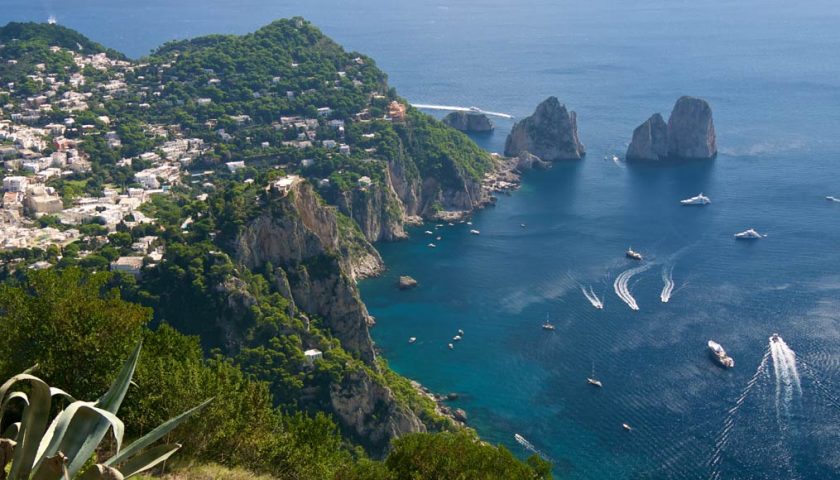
472,122
550,134
689,134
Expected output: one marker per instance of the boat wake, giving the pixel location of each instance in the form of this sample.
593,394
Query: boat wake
590,295
529,446
621,288
668,278
729,422
452,108
785,372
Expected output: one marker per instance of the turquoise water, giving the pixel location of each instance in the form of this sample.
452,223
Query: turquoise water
769,68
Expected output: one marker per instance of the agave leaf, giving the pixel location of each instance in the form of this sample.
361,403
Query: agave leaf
57,392
109,402
33,424
154,435
71,433
11,431
101,472
148,459
9,398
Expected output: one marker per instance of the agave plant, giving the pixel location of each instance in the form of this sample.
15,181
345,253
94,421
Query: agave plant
40,448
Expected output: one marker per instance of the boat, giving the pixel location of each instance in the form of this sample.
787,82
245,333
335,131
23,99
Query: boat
451,346
469,223
697,200
626,427
431,245
749,234
775,338
522,225
592,380
548,325
475,232
832,198
456,338
634,255
451,224
521,440
720,355
438,238
412,339
460,332
429,232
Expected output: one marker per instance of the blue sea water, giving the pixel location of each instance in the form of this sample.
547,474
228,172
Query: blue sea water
771,71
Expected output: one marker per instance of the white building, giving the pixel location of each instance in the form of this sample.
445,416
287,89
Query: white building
234,166
15,184
311,355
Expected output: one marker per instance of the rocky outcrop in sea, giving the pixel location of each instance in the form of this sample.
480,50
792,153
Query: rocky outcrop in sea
550,134
469,122
689,134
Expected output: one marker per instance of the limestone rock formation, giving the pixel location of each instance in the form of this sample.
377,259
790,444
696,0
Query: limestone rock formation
469,122
527,161
689,134
550,133
405,282
650,140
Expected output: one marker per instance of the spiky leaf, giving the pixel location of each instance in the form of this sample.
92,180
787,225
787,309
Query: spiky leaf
33,424
148,459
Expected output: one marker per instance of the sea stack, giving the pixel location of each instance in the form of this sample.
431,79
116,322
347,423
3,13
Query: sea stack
689,134
469,122
550,134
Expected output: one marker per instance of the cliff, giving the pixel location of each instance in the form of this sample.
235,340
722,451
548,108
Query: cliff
469,122
689,134
550,133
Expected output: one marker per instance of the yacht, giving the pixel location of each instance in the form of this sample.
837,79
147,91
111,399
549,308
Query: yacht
548,325
431,245
750,234
592,380
626,427
522,225
456,338
720,355
774,338
630,253
451,347
438,238
831,198
475,232
429,232
412,339
460,332
698,200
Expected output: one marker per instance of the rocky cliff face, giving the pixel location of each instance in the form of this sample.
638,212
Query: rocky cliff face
650,140
469,122
689,134
550,133
370,412
302,236
527,161
376,209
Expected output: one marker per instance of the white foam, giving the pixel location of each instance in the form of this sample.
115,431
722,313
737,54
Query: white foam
592,297
668,279
621,288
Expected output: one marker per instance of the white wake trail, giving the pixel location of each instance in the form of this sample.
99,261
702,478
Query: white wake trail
621,288
668,279
592,297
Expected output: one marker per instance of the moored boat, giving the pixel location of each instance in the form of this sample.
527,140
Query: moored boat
475,232
749,234
697,200
632,254
548,325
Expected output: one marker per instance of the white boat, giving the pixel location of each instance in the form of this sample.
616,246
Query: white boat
592,380
438,238
412,339
774,338
460,332
431,245
831,198
548,325
429,232
626,426
750,234
698,200
456,338
720,355
475,232
522,225
451,224
632,254
451,346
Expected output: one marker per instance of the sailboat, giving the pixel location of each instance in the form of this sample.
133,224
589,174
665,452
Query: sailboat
592,380
548,325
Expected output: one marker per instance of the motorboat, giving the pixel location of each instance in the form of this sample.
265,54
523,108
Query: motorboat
594,382
720,355
460,332
831,198
697,200
775,338
438,238
431,245
429,232
548,325
632,254
456,338
475,232
412,339
750,234
626,427
451,347
469,223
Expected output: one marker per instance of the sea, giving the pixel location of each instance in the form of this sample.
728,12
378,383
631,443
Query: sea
555,248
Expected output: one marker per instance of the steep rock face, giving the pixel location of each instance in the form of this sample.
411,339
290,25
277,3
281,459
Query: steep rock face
650,140
469,122
691,130
689,134
302,236
550,133
376,209
358,401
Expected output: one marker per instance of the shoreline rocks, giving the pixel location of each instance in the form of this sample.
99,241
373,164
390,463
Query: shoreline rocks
688,135
550,134
469,122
